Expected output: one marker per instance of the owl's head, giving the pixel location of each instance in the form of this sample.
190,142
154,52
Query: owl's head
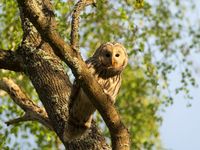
112,57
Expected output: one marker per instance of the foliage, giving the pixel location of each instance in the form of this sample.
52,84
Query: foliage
159,38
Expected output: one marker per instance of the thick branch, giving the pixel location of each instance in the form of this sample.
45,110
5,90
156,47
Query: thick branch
10,60
32,111
45,25
75,21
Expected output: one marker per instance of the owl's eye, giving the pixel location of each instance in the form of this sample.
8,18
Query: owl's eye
116,55
107,55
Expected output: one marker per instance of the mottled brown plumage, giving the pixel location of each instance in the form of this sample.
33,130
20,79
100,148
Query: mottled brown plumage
106,64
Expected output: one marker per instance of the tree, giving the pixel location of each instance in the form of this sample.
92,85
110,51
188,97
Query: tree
149,32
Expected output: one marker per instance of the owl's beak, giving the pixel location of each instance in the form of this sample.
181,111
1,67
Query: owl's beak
114,63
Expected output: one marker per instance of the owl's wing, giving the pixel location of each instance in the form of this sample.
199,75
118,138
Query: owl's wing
75,91
76,86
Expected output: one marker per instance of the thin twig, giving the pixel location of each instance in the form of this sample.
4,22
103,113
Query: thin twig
80,5
18,120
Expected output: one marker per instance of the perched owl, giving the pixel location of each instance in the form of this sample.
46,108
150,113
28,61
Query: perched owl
106,64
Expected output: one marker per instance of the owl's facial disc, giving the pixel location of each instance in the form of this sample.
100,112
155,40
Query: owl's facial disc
109,59
112,58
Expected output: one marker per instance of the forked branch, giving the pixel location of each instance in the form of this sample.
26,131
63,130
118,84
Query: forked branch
32,111
44,24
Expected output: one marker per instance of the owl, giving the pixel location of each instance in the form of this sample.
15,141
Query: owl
106,65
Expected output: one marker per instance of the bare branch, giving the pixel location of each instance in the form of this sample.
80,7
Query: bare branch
32,111
80,5
45,25
10,60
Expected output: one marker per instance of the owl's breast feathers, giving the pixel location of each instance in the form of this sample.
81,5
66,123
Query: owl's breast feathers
108,78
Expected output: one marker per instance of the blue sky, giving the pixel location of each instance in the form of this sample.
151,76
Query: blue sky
181,126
